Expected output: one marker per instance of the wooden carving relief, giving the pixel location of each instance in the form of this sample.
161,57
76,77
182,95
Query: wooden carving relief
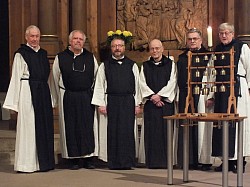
167,20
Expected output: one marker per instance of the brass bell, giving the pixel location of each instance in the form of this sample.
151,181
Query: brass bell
197,59
222,72
214,72
214,88
197,73
206,57
205,73
204,91
214,57
222,56
222,88
197,90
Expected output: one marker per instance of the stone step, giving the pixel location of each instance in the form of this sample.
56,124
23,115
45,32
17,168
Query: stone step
7,146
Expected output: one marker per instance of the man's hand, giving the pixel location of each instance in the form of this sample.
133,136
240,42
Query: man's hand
155,98
160,104
102,110
209,103
137,110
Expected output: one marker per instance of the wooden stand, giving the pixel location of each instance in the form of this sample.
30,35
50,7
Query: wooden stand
231,98
222,119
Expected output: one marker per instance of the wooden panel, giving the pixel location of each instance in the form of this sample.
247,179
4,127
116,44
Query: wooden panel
242,14
230,11
63,22
218,17
92,28
106,19
16,33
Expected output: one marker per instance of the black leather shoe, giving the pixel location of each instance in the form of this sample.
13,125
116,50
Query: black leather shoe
219,168
89,165
206,167
74,167
235,168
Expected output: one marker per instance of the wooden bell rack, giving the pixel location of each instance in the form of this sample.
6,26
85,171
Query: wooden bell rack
231,98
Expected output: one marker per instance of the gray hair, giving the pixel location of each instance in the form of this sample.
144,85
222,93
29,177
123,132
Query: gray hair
74,31
226,26
194,30
31,27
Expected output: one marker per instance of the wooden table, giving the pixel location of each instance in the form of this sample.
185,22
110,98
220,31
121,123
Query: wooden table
220,118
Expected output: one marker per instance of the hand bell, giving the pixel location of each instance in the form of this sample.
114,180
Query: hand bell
222,57
214,88
197,90
197,73
222,88
222,72
204,91
206,57
197,59
214,72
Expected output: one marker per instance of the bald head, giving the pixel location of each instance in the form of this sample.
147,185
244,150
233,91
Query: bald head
156,49
155,42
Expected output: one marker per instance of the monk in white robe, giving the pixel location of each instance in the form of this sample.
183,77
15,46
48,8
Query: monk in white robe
158,80
241,91
74,72
29,96
116,94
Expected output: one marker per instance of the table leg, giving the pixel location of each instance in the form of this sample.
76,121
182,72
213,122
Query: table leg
240,155
185,152
170,150
225,154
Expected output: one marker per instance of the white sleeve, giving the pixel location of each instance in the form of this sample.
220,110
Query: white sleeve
245,59
137,87
12,98
145,90
169,91
99,96
55,89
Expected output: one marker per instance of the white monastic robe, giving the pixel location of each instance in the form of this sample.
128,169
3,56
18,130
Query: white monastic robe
58,95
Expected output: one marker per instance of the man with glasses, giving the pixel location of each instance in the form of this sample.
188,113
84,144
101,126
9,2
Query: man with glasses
116,94
242,87
74,72
194,44
158,90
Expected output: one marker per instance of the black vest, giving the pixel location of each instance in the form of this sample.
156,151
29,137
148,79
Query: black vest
78,72
237,44
120,77
157,76
37,62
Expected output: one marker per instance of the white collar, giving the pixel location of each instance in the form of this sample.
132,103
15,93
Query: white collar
35,49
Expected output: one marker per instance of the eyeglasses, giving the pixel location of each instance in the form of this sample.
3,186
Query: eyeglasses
77,70
194,39
118,45
154,48
224,33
